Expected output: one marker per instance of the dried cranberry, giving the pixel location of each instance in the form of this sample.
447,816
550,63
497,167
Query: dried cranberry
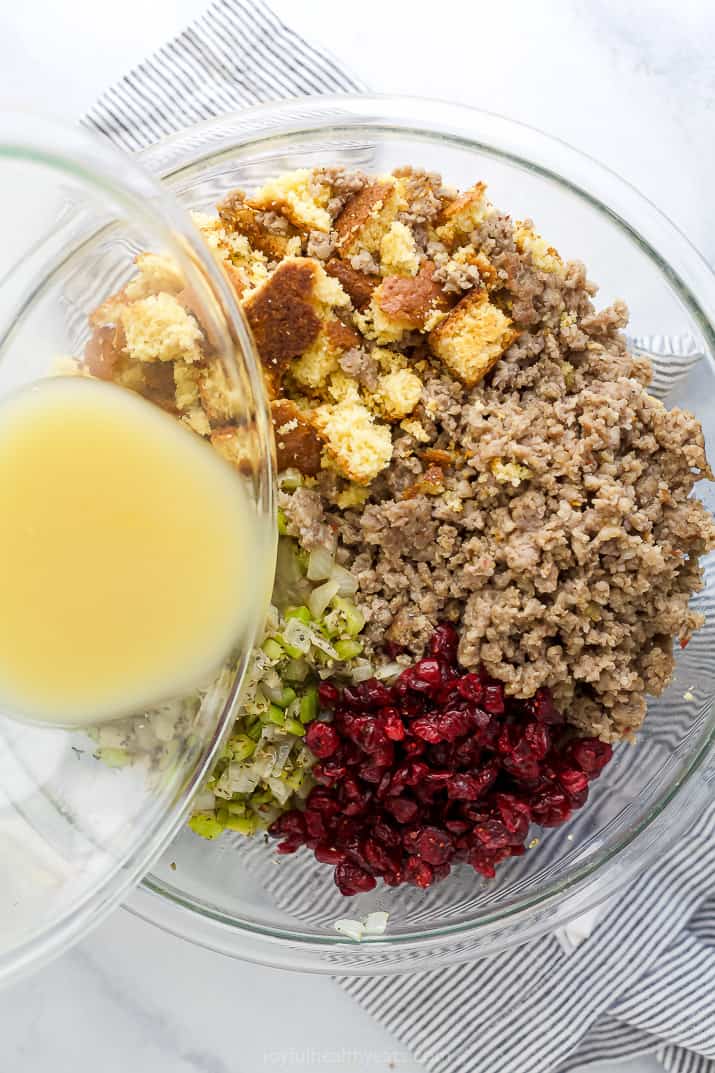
327,854
494,698
434,846
541,706
328,695
373,694
418,872
443,643
350,879
402,808
470,687
591,755
392,725
492,834
549,808
538,738
426,729
290,823
453,724
572,780
439,767
322,739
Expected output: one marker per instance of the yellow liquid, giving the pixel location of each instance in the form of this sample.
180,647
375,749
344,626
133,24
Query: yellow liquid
130,555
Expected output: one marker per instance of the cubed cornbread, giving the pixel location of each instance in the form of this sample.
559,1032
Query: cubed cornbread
472,337
298,445
219,397
398,251
468,255
464,214
543,256
155,272
300,196
158,328
355,445
287,312
197,421
509,472
357,285
313,368
398,393
404,303
186,385
239,218
367,217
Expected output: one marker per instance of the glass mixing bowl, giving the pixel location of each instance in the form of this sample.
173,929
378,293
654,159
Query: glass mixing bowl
238,896
79,825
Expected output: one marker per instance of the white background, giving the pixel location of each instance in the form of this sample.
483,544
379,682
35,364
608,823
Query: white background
632,84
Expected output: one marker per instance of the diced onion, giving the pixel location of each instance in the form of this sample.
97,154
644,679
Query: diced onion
388,670
320,564
362,672
375,923
321,597
352,929
296,633
347,583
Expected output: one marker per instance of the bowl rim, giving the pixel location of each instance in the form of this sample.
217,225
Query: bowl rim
687,272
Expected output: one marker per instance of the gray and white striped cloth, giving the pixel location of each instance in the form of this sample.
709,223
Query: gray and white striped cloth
643,981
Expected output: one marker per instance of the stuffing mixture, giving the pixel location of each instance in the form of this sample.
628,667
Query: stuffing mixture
474,486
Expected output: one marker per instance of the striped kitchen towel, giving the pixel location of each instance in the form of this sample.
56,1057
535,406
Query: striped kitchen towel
643,980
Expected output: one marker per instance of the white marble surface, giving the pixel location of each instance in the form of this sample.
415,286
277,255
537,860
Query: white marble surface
637,92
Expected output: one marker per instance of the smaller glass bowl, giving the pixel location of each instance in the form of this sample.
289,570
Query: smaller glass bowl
78,828
240,897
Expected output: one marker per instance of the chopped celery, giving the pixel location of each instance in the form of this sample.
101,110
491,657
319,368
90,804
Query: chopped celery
296,670
273,650
245,825
236,808
242,747
348,649
205,824
282,522
276,715
287,697
301,613
294,726
352,615
309,705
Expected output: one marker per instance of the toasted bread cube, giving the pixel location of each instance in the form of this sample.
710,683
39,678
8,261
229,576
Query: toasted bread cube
366,217
157,273
357,447
398,251
197,421
299,196
158,328
238,217
186,383
403,303
465,214
287,312
472,338
543,256
298,445
357,285
219,397
313,368
398,393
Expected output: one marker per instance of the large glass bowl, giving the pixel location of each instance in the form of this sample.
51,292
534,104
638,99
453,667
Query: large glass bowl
79,825
238,896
